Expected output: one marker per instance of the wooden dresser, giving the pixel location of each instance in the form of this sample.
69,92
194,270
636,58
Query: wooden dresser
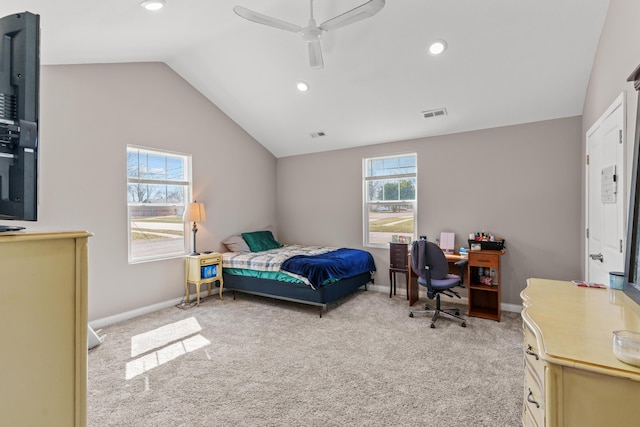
398,263
571,376
43,325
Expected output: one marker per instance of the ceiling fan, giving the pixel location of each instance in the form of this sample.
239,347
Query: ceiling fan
312,33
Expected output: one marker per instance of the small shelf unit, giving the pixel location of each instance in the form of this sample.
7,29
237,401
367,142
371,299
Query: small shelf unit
484,300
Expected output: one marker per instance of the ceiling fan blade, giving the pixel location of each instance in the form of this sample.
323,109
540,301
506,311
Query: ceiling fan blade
363,11
315,55
265,20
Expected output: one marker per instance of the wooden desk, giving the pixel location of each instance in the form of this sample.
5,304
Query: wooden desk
412,279
452,259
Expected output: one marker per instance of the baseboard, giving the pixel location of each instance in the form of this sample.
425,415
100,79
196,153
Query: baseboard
515,308
110,320
93,339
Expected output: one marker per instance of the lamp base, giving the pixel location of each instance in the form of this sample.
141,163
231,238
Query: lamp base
194,253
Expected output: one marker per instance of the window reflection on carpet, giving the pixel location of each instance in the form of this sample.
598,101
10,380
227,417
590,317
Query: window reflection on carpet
163,345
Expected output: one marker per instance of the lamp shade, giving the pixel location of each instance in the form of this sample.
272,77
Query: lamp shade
195,213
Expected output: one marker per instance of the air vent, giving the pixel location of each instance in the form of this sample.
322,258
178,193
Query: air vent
317,134
434,113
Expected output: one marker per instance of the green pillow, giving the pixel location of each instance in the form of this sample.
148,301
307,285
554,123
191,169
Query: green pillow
259,241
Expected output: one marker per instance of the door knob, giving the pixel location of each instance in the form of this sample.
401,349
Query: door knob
597,257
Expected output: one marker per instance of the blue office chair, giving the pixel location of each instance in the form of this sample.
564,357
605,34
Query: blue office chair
431,267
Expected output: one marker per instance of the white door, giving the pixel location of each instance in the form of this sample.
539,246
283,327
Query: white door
605,216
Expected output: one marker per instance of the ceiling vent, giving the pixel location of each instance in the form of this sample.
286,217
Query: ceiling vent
317,134
434,113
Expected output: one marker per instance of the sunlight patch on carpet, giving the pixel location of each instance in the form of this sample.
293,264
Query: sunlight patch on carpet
159,337
163,345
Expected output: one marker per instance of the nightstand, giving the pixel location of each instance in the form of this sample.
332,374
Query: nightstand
201,269
398,263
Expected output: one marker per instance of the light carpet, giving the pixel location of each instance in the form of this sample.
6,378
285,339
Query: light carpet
260,362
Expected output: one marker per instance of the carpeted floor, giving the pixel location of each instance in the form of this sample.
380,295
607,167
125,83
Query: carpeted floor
260,362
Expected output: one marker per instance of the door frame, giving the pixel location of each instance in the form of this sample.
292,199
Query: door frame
619,102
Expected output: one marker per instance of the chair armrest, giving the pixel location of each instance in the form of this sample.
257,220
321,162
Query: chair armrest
462,265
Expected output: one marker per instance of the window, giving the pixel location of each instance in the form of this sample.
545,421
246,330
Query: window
390,198
158,188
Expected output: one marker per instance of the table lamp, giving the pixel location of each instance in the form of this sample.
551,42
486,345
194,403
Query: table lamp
194,213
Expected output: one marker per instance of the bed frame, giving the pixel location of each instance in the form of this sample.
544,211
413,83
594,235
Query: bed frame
300,293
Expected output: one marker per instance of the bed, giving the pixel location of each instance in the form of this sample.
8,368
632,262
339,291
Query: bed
314,275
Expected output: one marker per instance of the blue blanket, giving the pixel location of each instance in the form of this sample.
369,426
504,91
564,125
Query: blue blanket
338,264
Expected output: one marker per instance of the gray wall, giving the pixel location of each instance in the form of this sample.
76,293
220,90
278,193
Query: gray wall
520,182
530,190
617,56
89,114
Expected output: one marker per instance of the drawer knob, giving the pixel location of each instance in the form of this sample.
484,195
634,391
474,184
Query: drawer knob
530,352
530,399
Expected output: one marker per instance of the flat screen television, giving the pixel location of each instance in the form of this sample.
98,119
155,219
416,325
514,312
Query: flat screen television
19,110
632,261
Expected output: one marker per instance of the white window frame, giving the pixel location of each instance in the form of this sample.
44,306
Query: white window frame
186,181
367,204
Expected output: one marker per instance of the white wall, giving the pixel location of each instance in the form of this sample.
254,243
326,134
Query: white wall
89,113
519,182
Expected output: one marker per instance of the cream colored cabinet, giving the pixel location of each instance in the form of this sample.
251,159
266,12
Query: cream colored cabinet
203,269
43,328
571,376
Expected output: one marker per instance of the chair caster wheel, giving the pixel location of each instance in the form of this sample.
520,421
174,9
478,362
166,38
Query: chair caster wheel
464,324
457,313
410,314
433,326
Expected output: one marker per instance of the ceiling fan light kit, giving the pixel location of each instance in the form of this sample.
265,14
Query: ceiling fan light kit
312,33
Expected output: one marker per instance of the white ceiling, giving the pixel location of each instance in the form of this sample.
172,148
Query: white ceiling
508,62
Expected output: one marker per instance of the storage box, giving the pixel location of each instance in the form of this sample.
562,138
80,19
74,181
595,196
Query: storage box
498,245
209,271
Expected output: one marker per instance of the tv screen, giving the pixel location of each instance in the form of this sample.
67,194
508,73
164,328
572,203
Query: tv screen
19,109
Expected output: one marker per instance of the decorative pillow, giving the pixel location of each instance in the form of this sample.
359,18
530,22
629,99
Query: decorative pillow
236,244
259,241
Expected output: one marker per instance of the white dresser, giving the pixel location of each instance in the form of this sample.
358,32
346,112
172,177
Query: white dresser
571,376
43,329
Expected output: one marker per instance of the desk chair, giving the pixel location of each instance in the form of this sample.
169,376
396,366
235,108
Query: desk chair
431,267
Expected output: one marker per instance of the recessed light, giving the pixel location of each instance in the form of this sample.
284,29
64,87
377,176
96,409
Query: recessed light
437,47
302,86
153,4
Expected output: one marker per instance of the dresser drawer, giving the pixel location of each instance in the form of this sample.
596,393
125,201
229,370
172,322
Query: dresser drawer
532,354
528,418
214,259
533,403
398,255
484,260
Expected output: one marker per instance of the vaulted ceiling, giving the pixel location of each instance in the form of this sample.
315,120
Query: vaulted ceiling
507,62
